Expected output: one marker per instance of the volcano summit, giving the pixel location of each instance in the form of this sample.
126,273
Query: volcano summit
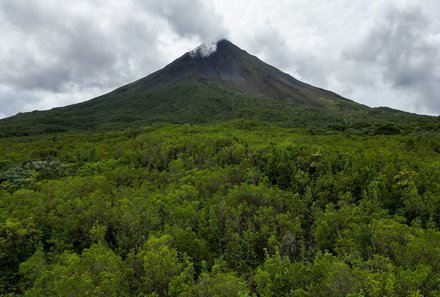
212,83
227,66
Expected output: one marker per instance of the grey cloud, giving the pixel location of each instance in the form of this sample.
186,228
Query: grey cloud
270,43
62,49
297,60
50,47
397,48
59,53
191,18
11,101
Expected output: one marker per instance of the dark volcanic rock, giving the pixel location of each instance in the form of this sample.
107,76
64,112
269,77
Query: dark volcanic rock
236,70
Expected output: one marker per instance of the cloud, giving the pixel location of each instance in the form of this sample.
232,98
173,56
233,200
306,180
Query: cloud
349,46
12,101
399,49
60,49
57,48
301,60
204,50
191,18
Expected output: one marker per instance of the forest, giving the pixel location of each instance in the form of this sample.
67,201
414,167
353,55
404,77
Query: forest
241,208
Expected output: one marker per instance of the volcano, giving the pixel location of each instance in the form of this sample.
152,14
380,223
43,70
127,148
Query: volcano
233,69
213,83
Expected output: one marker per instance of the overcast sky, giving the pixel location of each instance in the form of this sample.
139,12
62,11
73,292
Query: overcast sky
377,52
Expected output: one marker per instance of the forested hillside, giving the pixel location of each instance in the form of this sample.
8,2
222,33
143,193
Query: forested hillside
235,209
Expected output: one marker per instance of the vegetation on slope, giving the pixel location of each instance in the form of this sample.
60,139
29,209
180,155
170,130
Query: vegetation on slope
204,103
235,209
228,84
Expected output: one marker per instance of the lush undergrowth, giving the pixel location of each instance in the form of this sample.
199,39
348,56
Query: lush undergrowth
238,209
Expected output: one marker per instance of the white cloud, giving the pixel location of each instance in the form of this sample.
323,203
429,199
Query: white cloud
204,50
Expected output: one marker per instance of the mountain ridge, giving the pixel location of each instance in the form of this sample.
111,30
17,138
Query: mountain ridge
221,66
204,86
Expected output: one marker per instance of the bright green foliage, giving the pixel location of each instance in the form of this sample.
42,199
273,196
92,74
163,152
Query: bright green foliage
164,273
237,209
219,284
96,272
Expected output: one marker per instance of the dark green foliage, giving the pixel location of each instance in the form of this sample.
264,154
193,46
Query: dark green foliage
388,129
235,209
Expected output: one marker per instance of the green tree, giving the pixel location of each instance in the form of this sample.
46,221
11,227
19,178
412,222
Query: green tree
165,272
96,272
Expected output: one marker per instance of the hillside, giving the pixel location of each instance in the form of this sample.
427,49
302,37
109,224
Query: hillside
227,84
233,209
219,175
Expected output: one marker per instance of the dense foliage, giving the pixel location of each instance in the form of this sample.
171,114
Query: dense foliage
236,209
208,103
